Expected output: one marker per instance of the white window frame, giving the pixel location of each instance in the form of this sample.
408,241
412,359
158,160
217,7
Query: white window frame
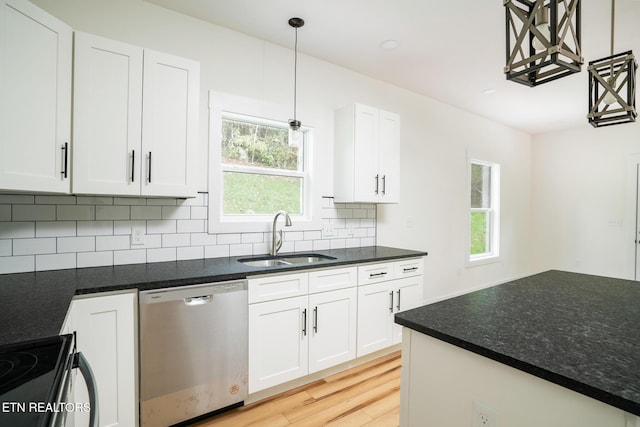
236,107
494,214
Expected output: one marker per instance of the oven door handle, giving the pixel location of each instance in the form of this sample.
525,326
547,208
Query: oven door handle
82,364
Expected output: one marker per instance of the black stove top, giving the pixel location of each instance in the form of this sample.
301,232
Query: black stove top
31,374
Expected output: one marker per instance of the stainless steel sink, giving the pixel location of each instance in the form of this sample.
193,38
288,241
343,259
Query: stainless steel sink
272,261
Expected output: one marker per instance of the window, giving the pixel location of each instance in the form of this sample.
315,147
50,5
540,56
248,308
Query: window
256,169
484,219
262,171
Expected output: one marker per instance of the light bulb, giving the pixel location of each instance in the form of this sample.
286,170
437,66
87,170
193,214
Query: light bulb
295,137
546,32
610,98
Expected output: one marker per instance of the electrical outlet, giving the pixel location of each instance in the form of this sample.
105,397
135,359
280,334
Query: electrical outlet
137,235
483,415
328,230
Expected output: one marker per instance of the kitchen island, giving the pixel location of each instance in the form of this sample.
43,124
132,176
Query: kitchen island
552,349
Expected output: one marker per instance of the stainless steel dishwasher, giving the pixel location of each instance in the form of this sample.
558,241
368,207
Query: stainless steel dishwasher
193,351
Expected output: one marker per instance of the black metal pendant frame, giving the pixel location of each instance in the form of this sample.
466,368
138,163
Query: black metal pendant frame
614,76
562,55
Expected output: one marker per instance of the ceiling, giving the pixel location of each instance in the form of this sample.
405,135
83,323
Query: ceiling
452,51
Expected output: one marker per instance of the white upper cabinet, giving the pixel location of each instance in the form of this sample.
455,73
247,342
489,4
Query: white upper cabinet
366,155
135,120
35,105
107,116
170,124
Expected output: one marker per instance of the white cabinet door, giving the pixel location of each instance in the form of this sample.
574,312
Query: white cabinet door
366,155
107,116
389,163
106,334
170,125
367,177
278,342
375,317
332,326
35,105
407,295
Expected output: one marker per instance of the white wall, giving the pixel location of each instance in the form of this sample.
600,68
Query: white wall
435,137
584,200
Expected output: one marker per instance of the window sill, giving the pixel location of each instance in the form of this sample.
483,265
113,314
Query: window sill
484,260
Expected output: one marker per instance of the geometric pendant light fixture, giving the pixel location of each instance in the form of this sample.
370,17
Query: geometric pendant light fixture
542,40
295,124
612,86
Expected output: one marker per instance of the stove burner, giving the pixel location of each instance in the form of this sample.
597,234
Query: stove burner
14,366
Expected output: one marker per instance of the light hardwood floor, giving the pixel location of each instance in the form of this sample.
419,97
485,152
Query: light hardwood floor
367,395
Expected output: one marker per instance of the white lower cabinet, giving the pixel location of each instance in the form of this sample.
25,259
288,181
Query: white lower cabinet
384,290
294,336
105,329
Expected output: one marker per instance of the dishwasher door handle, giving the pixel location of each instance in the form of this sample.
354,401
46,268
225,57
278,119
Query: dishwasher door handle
204,299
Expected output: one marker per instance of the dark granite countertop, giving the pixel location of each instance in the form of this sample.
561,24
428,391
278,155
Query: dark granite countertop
576,330
34,305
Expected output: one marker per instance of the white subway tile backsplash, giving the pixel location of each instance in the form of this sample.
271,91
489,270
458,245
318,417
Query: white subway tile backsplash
129,201
203,239
94,228
241,249
33,213
191,226
9,199
5,248
55,261
34,246
217,251
75,213
54,232
146,212
76,244
174,240
112,213
192,252
176,212
133,256
159,227
199,212
161,255
12,230
112,243
55,200
5,212
229,239
55,228
95,259
17,264
162,202
94,200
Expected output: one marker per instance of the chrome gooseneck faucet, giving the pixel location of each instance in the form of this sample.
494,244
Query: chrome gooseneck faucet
276,241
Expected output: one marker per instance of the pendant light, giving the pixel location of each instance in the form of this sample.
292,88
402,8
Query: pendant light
612,86
542,40
295,124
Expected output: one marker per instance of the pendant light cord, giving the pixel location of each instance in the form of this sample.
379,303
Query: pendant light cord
613,14
295,74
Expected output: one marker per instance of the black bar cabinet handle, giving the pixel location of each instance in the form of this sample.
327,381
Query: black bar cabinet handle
304,322
149,166
315,320
65,170
391,306
398,305
377,178
133,165
409,269
384,184
372,275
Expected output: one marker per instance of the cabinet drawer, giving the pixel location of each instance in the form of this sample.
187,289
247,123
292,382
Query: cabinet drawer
269,288
374,273
329,280
409,267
